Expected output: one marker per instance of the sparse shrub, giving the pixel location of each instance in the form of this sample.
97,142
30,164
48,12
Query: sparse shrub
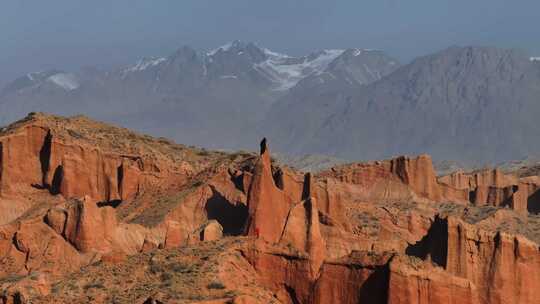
74,134
93,285
156,268
197,183
216,285
55,288
166,276
11,278
180,267
203,152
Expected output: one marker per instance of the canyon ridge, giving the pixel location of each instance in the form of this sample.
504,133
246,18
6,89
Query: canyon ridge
94,213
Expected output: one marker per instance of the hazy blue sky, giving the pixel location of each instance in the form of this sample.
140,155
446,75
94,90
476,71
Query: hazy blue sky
39,34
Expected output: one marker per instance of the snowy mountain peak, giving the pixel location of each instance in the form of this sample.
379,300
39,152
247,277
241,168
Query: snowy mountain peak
236,44
34,80
32,76
145,63
286,71
535,58
246,61
275,55
66,81
357,52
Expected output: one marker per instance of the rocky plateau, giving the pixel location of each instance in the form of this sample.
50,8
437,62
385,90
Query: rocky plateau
93,213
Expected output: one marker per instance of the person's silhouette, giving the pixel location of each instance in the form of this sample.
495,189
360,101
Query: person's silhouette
263,145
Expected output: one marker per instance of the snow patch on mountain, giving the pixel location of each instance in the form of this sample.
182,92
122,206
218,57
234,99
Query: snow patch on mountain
275,55
357,52
145,63
30,76
228,77
286,73
66,81
223,48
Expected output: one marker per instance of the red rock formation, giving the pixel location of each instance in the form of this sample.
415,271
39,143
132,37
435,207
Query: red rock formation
188,216
302,229
487,177
175,235
148,245
527,197
31,245
422,283
211,231
283,270
34,155
302,232
90,228
267,204
20,165
357,278
399,178
419,174
361,233
494,188
56,219
502,267
493,196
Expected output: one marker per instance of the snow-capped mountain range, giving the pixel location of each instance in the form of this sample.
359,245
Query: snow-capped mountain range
234,60
206,93
447,104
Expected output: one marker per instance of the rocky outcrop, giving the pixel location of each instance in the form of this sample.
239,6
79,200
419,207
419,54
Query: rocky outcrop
494,188
357,278
283,270
378,232
36,155
360,277
274,216
400,178
32,245
211,231
302,229
417,282
20,159
268,205
503,268
90,228
174,235
302,233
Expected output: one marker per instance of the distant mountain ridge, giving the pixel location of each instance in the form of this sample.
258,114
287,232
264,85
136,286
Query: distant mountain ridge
468,104
206,98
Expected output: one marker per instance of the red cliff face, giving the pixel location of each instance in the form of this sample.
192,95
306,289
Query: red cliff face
34,157
267,204
462,264
399,178
275,218
501,267
416,282
58,195
90,228
494,188
20,165
75,192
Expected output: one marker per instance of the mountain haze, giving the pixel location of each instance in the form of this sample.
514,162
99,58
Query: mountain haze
469,104
200,98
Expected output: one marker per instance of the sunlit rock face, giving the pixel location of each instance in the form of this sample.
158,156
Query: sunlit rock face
96,212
